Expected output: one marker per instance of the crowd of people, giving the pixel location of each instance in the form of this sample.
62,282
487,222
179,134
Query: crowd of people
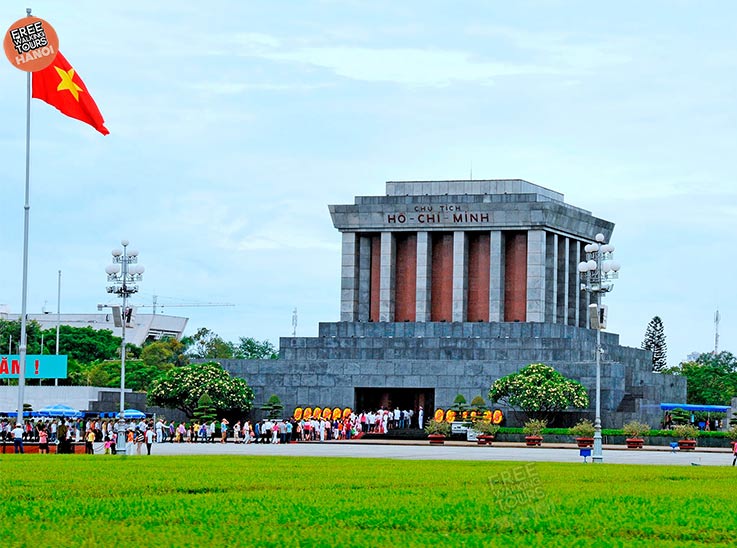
289,430
102,435
63,432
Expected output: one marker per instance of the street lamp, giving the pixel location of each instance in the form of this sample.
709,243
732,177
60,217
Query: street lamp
123,275
597,273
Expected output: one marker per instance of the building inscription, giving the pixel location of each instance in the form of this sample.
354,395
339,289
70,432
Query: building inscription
437,214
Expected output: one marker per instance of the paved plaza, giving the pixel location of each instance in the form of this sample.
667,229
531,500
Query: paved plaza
450,451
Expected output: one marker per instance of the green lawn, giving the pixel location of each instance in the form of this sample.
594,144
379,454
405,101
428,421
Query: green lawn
79,500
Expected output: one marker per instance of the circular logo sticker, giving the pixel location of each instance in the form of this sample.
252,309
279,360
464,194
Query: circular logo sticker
31,44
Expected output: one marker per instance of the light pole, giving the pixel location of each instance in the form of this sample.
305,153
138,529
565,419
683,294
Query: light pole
123,275
597,273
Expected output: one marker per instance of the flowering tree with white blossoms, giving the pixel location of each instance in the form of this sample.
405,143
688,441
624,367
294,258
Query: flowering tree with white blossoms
539,391
182,387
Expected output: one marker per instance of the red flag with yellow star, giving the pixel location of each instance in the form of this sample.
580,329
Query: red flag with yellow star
60,86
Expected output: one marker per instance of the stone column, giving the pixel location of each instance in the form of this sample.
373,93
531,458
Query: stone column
575,288
349,279
364,278
551,277
563,277
424,272
496,277
386,284
536,276
460,276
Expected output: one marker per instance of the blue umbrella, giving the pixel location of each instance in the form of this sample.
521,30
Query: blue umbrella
59,410
131,414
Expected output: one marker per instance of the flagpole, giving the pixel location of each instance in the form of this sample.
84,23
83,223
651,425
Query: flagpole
58,321
26,215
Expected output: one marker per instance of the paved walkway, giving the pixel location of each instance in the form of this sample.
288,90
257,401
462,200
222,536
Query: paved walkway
613,454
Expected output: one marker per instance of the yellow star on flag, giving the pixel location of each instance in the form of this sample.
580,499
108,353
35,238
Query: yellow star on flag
67,82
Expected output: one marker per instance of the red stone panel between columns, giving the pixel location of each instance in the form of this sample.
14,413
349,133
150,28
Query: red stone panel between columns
515,276
405,278
478,276
441,293
375,277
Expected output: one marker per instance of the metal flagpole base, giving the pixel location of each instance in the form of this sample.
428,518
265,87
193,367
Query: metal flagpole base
597,453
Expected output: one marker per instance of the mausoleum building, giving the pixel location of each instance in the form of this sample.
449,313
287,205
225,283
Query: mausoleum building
447,286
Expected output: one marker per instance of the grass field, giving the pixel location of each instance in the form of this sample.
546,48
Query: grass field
81,500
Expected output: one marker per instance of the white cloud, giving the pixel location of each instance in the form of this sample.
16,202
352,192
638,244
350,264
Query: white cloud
412,66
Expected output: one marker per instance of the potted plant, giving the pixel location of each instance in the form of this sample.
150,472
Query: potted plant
437,431
533,432
686,434
633,431
478,408
583,431
460,407
486,431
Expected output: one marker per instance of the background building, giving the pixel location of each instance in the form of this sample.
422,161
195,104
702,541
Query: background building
140,327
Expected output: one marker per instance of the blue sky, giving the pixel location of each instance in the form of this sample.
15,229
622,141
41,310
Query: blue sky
233,126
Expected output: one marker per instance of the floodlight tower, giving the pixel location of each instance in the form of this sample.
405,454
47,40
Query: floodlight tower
123,275
597,273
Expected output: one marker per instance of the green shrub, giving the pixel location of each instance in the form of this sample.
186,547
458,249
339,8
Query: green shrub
635,429
685,432
534,427
486,428
583,429
437,427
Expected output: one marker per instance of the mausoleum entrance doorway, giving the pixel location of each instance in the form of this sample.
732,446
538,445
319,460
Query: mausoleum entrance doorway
371,399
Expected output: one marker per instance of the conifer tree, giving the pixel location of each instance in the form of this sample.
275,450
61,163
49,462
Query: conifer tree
205,410
655,342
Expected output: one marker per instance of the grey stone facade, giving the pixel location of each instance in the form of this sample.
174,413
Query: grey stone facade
439,359
454,358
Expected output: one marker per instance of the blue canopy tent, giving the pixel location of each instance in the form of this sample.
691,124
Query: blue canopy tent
60,410
695,407
25,414
131,414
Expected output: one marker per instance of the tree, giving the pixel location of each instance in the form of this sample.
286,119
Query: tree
539,391
711,378
655,342
103,374
164,354
478,404
182,387
273,408
10,334
206,344
84,344
459,406
249,348
205,410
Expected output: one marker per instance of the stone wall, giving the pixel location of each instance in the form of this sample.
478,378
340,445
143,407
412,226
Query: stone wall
454,358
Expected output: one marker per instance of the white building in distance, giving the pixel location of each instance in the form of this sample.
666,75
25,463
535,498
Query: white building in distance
139,328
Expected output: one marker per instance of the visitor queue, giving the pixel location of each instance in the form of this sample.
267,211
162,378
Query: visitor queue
147,432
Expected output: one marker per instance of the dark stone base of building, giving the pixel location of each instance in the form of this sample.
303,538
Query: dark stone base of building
365,365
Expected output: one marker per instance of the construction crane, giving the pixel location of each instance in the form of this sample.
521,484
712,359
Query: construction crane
178,305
